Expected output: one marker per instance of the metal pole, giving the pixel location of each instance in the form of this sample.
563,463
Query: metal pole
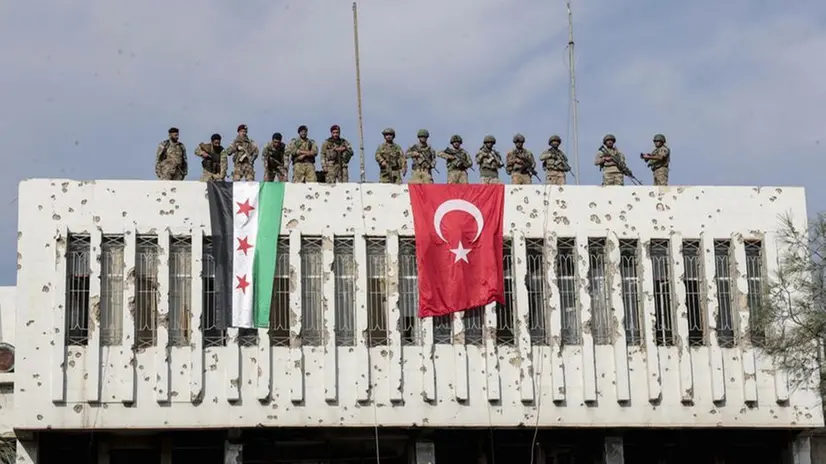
358,89
574,103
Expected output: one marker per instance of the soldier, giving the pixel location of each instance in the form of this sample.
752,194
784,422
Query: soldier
658,160
554,162
170,158
489,161
390,156
607,158
336,153
520,163
303,151
214,161
276,163
244,152
424,159
458,161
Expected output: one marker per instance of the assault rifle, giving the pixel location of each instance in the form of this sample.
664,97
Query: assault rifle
623,168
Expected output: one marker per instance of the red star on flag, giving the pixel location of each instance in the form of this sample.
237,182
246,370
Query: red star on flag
244,207
244,245
242,283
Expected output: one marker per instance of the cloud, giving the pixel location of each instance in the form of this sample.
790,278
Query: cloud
92,87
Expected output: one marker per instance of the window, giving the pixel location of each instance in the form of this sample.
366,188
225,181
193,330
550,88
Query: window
78,269
566,281
409,323
180,290
146,290
344,268
443,329
280,301
630,291
601,320
376,291
213,335
693,292
661,264
754,276
111,290
722,277
312,292
535,282
473,320
504,313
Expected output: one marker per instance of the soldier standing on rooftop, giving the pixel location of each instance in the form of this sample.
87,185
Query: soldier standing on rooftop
555,162
489,161
390,156
607,158
244,152
170,158
457,160
303,151
424,159
276,163
336,153
213,159
520,163
658,160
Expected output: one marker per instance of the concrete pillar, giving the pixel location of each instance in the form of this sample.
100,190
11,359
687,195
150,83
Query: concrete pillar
801,450
613,451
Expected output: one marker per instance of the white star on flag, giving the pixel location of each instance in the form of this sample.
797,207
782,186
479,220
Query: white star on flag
461,253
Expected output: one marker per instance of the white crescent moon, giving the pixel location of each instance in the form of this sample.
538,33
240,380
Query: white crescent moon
458,205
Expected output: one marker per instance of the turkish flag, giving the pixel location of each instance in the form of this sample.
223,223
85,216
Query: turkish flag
458,246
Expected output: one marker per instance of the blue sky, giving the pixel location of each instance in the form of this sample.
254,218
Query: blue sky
89,88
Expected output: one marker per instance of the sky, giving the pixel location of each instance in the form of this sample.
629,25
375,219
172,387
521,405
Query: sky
89,88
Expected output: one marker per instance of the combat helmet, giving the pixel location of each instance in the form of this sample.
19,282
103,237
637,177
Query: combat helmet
423,133
456,138
489,139
518,138
554,138
609,137
389,131
659,138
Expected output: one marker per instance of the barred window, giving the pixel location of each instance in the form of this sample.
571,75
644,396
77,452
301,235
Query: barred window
280,302
443,329
344,268
598,283
111,290
504,313
535,282
376,291
722,277
473,320
312,292
409,323
180,290
566,281
78,270
754,276
630,291
661,264
146,290
213,335
693,292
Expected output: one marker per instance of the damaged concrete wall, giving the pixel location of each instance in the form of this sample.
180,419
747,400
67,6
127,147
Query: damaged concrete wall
553,384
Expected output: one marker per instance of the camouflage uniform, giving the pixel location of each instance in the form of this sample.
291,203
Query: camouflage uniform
276,162
489,161
424,159
214,161
390,156
659,159
170,158
244,152
555,162
611,174
458,161
520,163
304,168
335,163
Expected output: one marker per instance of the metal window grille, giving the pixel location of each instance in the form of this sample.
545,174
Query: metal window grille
111,290
443,329
693,292
566,281
661,264
473,320
344,269
535,282
180,290
630,291
722,277
78,270
505,312
754,277
312,313
213,335
146,290
410,325
376,291
601,320
280,303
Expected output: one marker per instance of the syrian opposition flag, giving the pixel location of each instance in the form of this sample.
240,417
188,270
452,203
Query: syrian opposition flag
458,246
246,220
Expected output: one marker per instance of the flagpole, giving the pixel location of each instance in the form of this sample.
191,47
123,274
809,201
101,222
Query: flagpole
358,90
574,104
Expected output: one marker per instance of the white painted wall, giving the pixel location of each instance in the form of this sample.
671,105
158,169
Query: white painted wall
430,385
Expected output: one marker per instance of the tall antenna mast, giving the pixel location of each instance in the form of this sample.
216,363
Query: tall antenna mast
358,89
573,102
